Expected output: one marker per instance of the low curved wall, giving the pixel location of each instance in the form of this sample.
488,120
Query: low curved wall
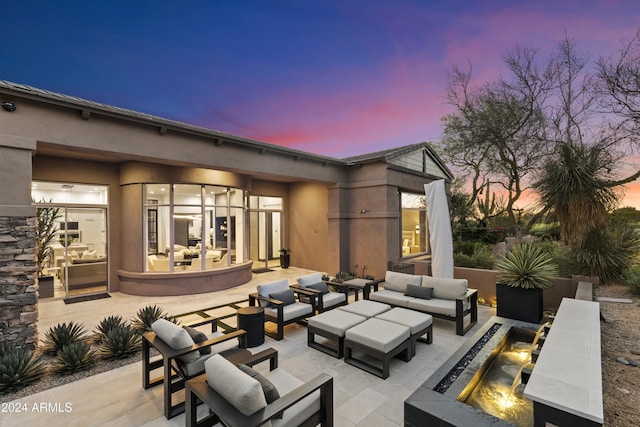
184,283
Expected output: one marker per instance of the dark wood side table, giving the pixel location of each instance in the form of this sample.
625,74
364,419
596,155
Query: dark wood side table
251,319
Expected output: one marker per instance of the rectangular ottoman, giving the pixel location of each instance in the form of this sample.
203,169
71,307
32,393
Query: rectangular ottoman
331,325
379,340
419,323
366,308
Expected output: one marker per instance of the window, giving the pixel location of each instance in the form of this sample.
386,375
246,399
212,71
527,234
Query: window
193,226
414,236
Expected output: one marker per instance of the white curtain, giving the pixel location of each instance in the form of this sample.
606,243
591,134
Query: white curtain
440,236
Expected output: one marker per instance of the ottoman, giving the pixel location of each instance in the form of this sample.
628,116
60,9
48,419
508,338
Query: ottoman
379,340
419,323
366,308
331,325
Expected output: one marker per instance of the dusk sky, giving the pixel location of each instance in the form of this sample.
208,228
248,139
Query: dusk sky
338,78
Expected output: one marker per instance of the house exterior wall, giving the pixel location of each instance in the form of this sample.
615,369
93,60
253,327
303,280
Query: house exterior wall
337,214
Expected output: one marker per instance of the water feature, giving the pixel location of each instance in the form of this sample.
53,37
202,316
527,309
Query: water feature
482,381
500,391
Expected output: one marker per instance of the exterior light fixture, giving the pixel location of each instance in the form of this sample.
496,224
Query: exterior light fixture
9,106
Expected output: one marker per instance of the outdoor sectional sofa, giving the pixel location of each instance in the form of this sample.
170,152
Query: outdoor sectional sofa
449,299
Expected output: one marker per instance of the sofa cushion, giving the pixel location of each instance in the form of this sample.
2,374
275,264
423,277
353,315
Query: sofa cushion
378,334
398,282
419,292
446,307
239,389
198,337
287,296
309,279
87,254
266,289
301,411
449,289
175,337
391,297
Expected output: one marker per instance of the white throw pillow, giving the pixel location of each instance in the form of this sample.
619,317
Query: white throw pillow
175,337
239,389
394,281
446,288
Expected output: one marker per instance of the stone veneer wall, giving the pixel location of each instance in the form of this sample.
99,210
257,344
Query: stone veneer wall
18,287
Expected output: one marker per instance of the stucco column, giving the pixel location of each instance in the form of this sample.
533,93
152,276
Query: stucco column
18,290
339,235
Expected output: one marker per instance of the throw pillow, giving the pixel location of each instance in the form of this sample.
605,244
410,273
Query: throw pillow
197,338
236,387
418,292
287,297
270,390
321,286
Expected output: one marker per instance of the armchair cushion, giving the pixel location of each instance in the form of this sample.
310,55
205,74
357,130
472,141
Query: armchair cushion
175,337
320,286
266,289
309,279
239,389
287,297
395,281
197,338
419,292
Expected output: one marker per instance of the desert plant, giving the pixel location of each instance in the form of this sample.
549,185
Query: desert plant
606,253
527,267
19,367
343,276
74,357
60,335
119,342
147,315
106,325
631,277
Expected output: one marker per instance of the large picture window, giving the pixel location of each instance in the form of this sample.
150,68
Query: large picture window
193,227
414,236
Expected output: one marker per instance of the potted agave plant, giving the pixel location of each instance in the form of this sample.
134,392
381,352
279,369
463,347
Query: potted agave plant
523,274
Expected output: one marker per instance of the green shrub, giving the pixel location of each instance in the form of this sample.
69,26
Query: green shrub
631,277
120,342
462,260
60,335
464,247
107,324
146,316
74,357
19,367
606,253
483,258
343,276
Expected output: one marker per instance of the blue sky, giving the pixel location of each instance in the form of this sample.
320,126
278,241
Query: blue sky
338,78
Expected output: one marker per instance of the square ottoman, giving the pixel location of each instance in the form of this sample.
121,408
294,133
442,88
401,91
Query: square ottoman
419,323
379,340
366,308
331,325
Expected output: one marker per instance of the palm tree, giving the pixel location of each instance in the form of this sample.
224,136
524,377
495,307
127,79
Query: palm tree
574,186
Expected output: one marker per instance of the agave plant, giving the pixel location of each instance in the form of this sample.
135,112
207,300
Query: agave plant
107,324
74,357
119,342
19,367
527,267
147,315
60,335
